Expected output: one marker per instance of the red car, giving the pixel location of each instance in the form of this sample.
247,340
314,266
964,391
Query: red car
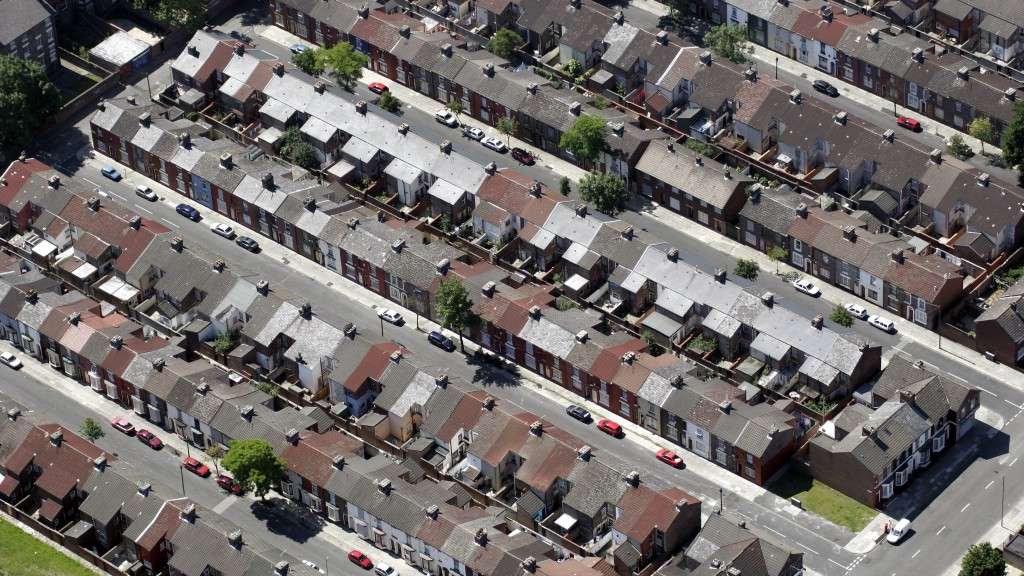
909,123
609,427
196,467
123,425
669,457
360,559
149,439
377,88
228,483
523,157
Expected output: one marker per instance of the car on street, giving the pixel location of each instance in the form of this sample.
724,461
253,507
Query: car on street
145,192
149,439
441,341
359,559
109,171
10,360
857,311
188,212
228,484
377,87
312,566
908,123
389,315
609,427
248,243
383,569
898,532
807,287
123,425
523,157
445,116
883,324
472,132
298,48
494,144
578,412
195,466
223,230
825,88
669,457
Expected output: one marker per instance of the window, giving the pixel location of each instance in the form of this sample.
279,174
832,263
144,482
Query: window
798,246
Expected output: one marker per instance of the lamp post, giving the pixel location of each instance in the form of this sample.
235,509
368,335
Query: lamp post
381,326
776,67
181,471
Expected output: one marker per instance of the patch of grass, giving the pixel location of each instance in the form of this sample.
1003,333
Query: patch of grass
822,500
21,554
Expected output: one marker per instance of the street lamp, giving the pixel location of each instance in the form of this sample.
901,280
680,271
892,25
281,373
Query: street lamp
182,472
776,67
381,326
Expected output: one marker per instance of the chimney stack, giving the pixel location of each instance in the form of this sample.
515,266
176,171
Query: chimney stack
768,299
840,117
364,12
135,222
268,181
446,146
226,160
188,513
705,58
306,311
263,287
489,70
575,108
662,38
361,107
403,128
720,275
54,181
619,18
56,438
446,50
319,86
963,73
633,478
177,243
491,168
673,254
488,289
240,49
818,321
235,539
583,453
405,31
279,69
537,428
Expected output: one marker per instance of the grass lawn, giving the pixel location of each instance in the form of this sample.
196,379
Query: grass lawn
21,554
816,497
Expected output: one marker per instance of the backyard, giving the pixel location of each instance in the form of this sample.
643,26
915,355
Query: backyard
818,498
21,554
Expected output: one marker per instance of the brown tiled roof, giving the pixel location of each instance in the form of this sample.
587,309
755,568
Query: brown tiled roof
643,510
15,176
926,276
313,456
372,365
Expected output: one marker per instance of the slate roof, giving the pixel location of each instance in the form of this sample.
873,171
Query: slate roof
677,168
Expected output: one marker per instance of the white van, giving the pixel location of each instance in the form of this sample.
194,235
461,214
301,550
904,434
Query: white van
898,532
383,569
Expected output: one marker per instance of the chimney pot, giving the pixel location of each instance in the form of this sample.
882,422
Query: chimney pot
662,38
361,107
403,128
319,86
841,117
279,69
673,254
768,299
818,321
491,168
705,58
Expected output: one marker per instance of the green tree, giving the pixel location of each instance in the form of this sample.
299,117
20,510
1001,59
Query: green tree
607,192
746,268
702,344
296,150
573,69
565,185
649,338
600,103
454,307
586,138
216,453
506,126
344,63
389,102
27,100
308,63
504,43
91,429
187,14
223,343
981,128
983,560
455,106
254,465
1013,137
730,42
841,316
957,147
777,254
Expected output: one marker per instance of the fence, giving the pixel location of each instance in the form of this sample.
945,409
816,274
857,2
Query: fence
55,536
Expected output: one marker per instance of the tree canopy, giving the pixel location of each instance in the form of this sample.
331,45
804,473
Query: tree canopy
507,127
746,268
1013,137
343,62
27,99
187,14
841,316
730,42
296,150
777,254
983,560
607,192
389,102
981,128
254,465
91,430
308,63
454,307
586,138
504,43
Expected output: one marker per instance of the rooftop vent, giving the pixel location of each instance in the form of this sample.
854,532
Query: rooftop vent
405,31
306,311
672,254
361,107
583,453
662,38
705,58
768,299
263,287
633,478
840,117
795,96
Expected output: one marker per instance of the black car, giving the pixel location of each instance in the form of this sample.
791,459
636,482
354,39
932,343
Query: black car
825,88
578,412
188,212
248,243
441,341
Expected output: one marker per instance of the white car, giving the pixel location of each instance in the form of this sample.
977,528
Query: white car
143,191
10,359
383,569
313,566
472,132
898,532
390,315
494,144
807,287
223,230
883,324
445,116
857,311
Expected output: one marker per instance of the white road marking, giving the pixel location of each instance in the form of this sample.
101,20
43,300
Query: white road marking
123,199
1012,463
224,504
1017,406
811,550
986,391
774,531
915,554
966,506
838,564
91,182
170,223
941,530
144,210
990,483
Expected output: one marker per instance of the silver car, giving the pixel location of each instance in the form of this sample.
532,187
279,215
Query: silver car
472,132
494,144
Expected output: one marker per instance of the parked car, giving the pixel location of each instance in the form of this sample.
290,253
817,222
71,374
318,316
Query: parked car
145,192
472,132
898,532
248,243
359,559
377,87
223,230
10,360
196,467
383,569
298,48
391,316
445,116
228,484
908,123
494,144
523,157
149,439
609,427
123,425
440,340
578,412
807,287
857,311
188,212
111,172
883,324
312,565
669,457
825,88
